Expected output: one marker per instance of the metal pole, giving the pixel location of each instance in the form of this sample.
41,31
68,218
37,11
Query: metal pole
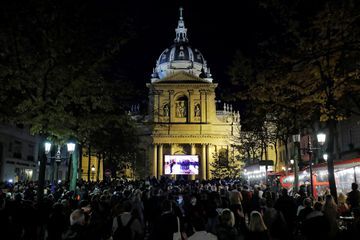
57,171
310,161
42,169
296,169
311,174
355,180
69,169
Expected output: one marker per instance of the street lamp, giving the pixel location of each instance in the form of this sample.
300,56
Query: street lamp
295,162
93,171
47,147
321,137
325,156
71,148
58,158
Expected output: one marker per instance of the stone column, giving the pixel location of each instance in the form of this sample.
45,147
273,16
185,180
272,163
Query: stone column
208,160
154,162
172,153
171,149
160,161
190,106
203,163
193,152
171,106
203,107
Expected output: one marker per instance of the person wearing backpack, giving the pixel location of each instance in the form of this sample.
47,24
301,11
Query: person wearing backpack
126,226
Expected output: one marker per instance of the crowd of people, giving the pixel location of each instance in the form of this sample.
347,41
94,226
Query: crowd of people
155,209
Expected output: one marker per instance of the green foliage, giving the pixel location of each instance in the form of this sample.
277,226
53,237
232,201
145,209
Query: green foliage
52,61
226,165
306,69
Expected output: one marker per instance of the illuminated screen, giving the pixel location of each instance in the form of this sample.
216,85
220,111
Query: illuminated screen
181,164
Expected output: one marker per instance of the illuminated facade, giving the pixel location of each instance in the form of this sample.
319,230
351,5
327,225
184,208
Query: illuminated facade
91,167
183,118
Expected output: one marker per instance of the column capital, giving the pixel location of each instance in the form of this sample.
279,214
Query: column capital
171,92
191,91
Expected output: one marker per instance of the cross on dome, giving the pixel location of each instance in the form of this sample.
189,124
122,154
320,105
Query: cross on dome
181,30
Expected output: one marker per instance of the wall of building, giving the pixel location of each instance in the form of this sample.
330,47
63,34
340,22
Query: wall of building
18,154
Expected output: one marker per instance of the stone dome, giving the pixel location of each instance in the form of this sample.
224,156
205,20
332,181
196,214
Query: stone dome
181,57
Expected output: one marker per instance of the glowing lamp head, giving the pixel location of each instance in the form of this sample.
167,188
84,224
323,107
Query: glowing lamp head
292,161
93,168
321,137
325,156
47,147
296,138
71,147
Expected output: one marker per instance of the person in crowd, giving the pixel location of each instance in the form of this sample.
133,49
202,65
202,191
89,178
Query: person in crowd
226,230
286,205
315,225
128,219
307,203
246,200
257,228
167,224
343,208
275,222
57,222
353,197
354,228
236,208
77,229
331,215
198,224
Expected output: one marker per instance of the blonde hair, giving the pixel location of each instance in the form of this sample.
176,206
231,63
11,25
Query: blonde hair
329,203
256,222
342,198
227,217
235,197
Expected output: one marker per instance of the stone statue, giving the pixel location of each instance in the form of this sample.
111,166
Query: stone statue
197,110
180,109
166,110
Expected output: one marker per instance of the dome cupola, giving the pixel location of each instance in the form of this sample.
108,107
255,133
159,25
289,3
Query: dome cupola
181,57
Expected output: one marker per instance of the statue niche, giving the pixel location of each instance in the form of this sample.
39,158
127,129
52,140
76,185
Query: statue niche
181,107
197,111
166,110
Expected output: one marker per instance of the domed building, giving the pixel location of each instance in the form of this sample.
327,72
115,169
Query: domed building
183,123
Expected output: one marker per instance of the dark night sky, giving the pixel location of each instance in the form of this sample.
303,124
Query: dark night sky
216,29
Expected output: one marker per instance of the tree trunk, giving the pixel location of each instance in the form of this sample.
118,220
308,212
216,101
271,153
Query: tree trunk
276,156
287,156
331,157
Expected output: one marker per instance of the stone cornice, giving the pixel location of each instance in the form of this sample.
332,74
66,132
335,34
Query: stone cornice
190,136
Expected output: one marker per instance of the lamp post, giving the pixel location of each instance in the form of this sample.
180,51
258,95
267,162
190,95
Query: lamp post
58,158
71,148
295,162
92,172
321,137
